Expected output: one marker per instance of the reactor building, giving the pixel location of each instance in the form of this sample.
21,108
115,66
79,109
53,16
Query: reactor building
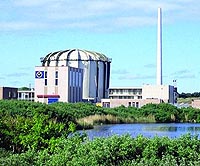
72,75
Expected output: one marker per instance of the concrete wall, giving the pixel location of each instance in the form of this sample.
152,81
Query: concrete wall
163,92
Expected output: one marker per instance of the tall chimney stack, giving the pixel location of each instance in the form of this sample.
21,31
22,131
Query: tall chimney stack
159,48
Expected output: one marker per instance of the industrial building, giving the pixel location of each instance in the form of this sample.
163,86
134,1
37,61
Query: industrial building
139,96
77,75
8,93
72,75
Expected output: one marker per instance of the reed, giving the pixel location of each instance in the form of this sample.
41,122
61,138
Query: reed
147,119
89,121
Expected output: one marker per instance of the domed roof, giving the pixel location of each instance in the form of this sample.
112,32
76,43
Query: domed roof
73,55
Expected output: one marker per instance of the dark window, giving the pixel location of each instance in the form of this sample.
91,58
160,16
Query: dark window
56,74
45,74
45,82
129,103
56,81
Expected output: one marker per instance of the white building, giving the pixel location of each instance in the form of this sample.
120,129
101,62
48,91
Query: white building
28,95
72,76
139,96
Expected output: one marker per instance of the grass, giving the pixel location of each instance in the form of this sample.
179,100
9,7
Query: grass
90,121
187,100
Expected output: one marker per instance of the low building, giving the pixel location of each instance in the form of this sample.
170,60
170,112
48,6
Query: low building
28,94
125,93
111,103
8,93
139,96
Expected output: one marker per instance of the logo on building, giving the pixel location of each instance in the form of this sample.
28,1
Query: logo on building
39,74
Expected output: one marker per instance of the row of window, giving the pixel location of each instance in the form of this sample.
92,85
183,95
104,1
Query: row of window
56,78
46,82
133,104
125,97
56,74
75,78
125,91
25,95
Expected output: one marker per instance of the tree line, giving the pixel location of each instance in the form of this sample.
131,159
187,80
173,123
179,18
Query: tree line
189,95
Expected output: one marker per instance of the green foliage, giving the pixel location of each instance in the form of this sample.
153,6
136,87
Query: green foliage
26,124
24,88
115,150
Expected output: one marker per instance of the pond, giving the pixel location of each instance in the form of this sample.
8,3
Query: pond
171,130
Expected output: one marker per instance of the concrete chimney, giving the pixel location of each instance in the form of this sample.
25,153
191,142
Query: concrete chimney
159,48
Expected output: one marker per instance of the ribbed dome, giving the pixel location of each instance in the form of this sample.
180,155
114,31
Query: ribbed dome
62,58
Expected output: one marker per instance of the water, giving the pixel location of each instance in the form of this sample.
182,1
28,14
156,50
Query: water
171,130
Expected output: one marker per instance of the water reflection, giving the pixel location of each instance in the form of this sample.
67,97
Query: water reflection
171,130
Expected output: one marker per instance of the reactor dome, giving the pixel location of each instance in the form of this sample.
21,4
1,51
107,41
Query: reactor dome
96,69
67,57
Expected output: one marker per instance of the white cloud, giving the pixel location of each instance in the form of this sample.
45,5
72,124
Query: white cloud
26,14
21,25
151,65
134,21
120,71
136,77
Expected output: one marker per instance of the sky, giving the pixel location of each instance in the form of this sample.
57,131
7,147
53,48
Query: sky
123,30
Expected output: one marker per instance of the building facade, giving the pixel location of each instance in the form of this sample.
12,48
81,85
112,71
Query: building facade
125,93
72,76
139,96
58,84
28,95
8,93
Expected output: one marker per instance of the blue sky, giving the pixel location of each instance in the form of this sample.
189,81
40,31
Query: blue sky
124,30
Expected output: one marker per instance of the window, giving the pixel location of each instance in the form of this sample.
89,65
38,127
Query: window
77,78
45,74
32,94
80,80
9,94
129,104
70,77
74,78
45,82
56,74
56,82
14,94
106,104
